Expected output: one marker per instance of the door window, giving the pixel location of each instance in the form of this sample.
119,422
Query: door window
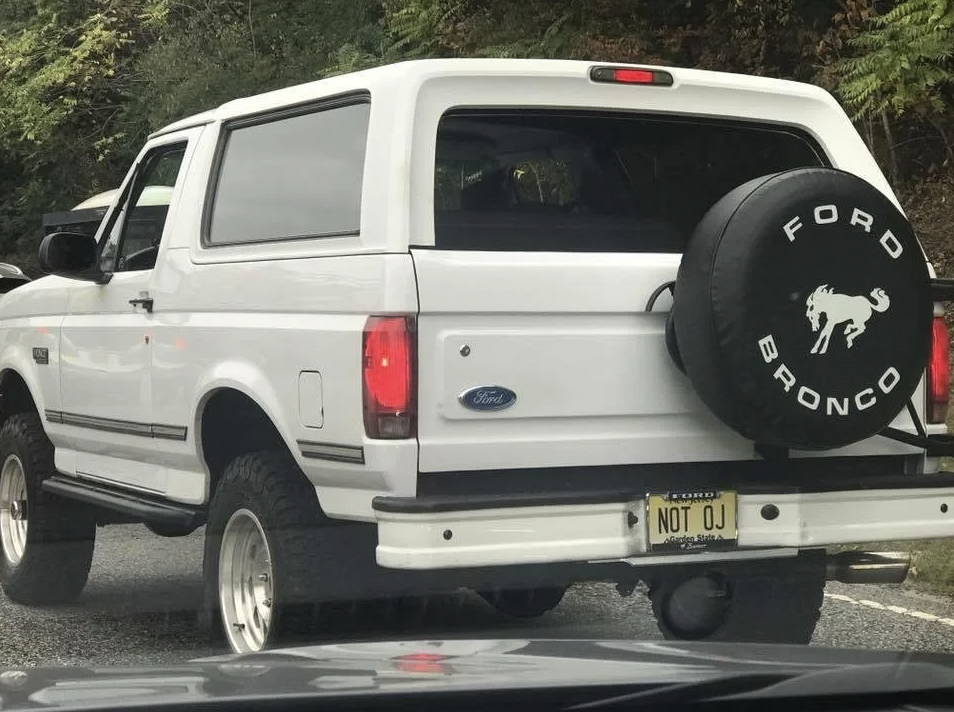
136,229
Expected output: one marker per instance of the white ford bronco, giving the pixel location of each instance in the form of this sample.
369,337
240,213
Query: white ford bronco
502,325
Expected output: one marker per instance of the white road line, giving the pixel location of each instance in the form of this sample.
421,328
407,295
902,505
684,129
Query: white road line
901,610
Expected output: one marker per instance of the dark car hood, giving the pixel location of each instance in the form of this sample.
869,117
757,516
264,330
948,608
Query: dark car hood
423,665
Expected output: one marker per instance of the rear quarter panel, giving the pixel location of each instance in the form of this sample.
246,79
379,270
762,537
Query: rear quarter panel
254,317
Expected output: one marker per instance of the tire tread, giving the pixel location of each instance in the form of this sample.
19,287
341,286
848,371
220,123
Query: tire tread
270,484
61,533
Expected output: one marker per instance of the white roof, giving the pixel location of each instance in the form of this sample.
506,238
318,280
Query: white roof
414,72
151,195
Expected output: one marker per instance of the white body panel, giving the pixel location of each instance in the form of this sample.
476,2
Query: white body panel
105,365
565,331
205,338
578,357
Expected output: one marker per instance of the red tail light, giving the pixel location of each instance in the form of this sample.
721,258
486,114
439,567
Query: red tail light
631,75
938,374
390,375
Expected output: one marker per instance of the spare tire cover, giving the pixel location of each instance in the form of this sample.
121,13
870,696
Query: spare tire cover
802,309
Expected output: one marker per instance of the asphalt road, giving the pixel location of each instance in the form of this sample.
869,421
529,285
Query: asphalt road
134,612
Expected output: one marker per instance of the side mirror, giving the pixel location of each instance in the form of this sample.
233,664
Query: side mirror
72,254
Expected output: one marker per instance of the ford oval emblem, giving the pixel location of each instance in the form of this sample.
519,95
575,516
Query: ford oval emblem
487,398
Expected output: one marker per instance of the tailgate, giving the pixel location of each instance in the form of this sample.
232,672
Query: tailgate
567,334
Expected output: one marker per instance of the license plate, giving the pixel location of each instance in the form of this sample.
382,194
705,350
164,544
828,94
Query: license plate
692,521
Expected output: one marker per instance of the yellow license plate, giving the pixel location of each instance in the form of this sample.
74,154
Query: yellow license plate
692,521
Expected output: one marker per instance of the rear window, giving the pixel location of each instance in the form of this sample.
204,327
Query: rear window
593,182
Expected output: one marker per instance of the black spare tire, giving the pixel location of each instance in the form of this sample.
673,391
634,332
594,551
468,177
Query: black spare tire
802,310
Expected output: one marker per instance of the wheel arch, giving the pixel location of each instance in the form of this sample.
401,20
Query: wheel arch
17,394
231,419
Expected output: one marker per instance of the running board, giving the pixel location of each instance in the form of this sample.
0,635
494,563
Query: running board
139,507
868,566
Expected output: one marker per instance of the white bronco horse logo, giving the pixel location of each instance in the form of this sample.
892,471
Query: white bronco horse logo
839,308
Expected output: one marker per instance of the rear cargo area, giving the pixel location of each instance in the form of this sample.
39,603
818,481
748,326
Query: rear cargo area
553,228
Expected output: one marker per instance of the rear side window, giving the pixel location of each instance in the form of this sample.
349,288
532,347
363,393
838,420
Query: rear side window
291,177
593,181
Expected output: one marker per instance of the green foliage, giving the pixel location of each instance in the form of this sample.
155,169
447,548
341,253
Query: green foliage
82,82
903,60
226,49
553,42
64,80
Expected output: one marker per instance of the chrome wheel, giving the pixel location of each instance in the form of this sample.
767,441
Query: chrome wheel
245,582
13,509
